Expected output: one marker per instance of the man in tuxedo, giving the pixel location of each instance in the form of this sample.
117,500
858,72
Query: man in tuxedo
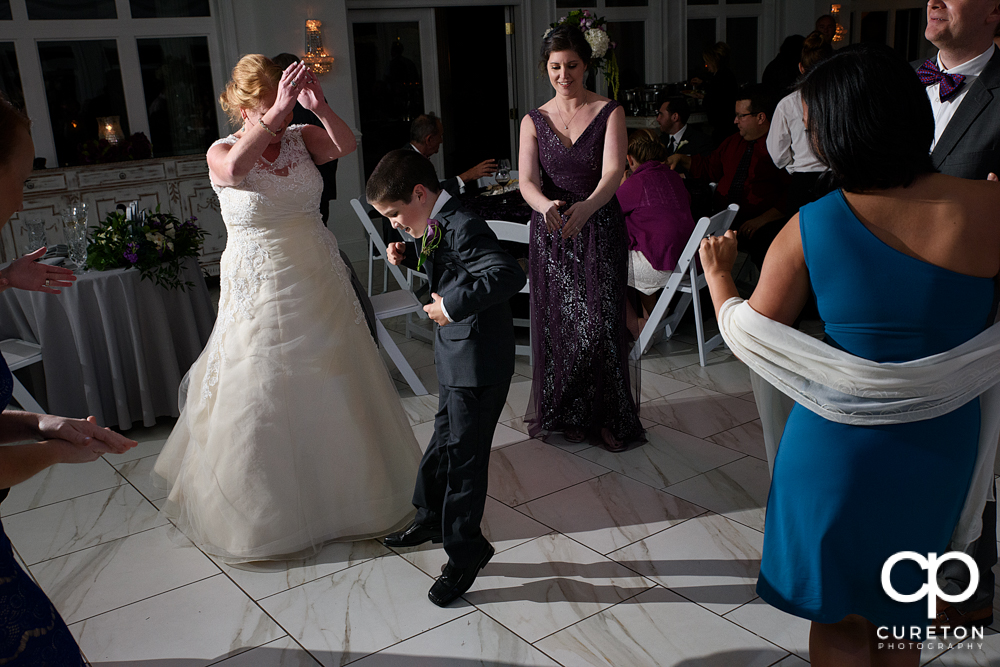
426,135
963,84
471,279
675,133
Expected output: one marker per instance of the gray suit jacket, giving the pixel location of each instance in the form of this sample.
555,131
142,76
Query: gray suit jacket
970,145
475,277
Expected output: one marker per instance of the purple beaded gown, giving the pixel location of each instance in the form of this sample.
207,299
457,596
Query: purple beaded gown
580,341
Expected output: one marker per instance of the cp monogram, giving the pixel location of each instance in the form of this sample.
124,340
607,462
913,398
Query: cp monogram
930,590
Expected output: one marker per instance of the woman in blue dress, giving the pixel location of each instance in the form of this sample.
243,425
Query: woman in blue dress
32,634
902,262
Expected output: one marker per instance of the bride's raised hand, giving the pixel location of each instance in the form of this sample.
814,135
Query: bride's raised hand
553,218
289,87
311,93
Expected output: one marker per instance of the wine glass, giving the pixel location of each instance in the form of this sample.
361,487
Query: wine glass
503,173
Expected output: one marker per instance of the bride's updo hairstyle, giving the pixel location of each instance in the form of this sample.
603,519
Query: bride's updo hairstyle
869,118
565,38
253,77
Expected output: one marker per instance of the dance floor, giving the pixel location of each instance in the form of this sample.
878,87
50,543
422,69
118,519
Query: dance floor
643,558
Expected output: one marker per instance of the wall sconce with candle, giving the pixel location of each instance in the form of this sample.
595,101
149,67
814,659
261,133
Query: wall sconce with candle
109,128
316,58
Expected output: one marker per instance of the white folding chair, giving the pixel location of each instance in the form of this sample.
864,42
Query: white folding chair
18,354
686,281
517,233
392,304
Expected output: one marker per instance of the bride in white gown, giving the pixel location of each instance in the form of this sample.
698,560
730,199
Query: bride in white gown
292,433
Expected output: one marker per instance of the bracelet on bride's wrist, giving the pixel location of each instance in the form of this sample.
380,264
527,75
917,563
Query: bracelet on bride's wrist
261,121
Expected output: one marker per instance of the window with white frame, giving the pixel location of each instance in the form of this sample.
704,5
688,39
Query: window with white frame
745,25
140,66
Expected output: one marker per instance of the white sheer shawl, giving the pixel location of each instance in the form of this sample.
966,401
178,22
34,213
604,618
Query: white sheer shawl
788,365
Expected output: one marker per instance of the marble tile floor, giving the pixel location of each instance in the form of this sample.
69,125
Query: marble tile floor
647,558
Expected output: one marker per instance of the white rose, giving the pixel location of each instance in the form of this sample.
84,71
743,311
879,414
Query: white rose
599,42
547,33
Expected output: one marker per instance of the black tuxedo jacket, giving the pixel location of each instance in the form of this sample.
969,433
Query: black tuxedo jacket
475,277
698,143
970,145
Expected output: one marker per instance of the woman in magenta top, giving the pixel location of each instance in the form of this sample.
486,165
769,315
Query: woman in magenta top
657,210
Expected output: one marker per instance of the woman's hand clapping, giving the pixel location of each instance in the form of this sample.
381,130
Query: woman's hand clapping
83,433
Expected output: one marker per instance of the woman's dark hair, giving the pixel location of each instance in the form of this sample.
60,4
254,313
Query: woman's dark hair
565,38
869,118
11,118
397,174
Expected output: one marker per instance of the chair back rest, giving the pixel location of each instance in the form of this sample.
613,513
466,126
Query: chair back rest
510,231
514,232
376,238
716,225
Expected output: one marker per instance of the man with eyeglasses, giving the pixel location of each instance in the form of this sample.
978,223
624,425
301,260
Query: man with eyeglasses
744,172
676,135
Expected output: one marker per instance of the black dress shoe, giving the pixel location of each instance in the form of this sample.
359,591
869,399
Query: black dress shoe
455,581
414,535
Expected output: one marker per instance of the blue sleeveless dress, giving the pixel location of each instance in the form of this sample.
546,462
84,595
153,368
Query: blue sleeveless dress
32,633
845,498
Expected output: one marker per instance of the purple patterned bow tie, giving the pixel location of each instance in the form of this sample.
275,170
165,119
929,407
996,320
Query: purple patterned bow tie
929,74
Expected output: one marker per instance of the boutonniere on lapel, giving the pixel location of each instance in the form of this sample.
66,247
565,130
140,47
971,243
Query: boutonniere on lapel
682,144
432,239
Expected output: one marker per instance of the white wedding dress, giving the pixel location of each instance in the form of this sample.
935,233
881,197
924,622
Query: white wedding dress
291,433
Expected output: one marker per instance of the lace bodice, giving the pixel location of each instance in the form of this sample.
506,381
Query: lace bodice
270,216
291,184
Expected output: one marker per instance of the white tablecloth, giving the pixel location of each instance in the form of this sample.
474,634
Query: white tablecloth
113,346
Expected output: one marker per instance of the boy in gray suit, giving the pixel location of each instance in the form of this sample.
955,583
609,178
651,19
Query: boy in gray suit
471,279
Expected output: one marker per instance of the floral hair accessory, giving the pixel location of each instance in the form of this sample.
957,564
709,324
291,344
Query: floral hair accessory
595,31
432,239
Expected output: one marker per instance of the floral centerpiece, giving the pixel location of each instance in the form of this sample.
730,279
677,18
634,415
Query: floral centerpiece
156,243
595,31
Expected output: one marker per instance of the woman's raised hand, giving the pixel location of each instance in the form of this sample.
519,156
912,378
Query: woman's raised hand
310,92
289,86
718,253
553,218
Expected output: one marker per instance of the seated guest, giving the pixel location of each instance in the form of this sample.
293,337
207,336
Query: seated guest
781,73
426,135
743,170
657,211
788,142
676,135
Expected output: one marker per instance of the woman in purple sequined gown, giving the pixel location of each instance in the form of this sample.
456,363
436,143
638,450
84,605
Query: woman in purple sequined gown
571,161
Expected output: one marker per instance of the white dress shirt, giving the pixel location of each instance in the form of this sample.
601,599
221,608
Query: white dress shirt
442,199
787,140
679,137
944,111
